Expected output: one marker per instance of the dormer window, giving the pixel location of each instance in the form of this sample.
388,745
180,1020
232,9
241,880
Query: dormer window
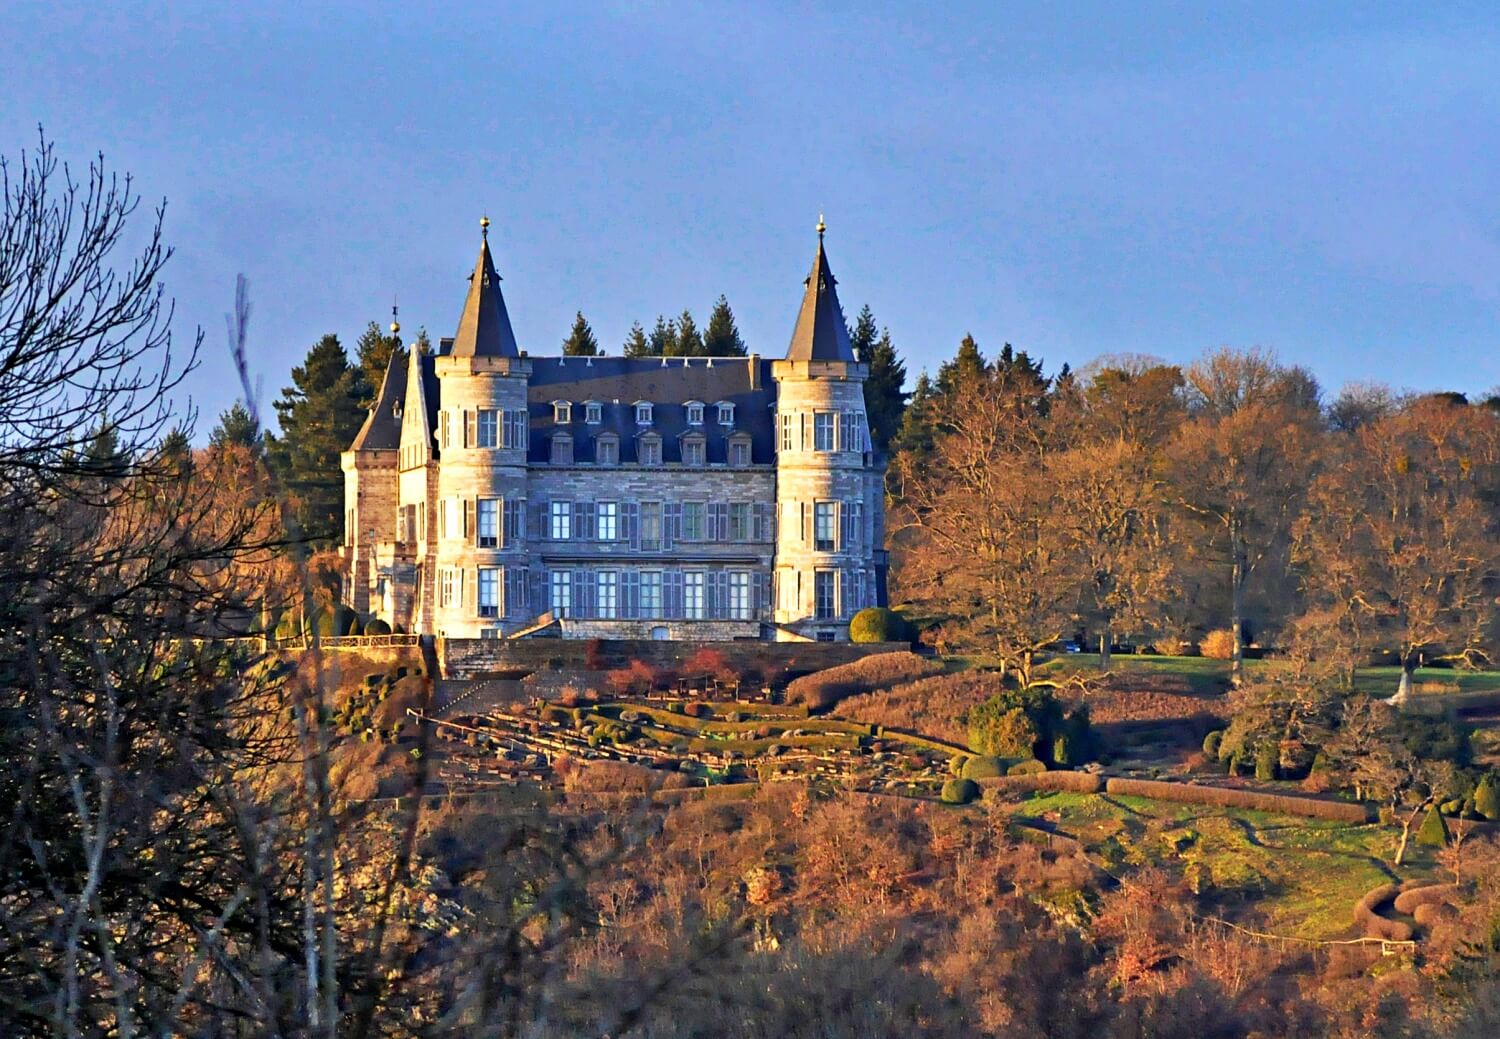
694,413
693,450
593,412
643,413
739,450
562,412
726,414
607,450
648,450
561,452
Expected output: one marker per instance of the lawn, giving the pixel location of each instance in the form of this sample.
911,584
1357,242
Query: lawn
1297,877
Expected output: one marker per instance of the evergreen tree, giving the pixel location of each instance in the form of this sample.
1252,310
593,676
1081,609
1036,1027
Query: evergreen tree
663,339
722,337
374,350
237,426
319,415
581,341
885,397
635,342
919,420
689,341
103,455
967,367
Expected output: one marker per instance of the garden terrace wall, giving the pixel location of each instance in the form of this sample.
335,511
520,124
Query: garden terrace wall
1188,793
472,658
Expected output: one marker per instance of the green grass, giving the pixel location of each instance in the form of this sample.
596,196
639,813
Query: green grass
1295,877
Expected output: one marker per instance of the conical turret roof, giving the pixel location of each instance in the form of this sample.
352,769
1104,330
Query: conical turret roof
820,334
484,329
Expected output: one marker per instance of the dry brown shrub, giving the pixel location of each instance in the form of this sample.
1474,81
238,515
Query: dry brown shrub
611,777
1375,925
882,670
1218,644
1428,894
931,706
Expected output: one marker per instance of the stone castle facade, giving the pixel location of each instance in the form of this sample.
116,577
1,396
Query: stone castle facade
491,493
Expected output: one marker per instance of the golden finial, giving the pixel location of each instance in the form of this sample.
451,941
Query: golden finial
484,225
395,324
821,227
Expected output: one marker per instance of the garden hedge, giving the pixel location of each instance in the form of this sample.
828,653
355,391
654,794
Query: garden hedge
1428,894
959,791
1375,925
1076,782
1187,793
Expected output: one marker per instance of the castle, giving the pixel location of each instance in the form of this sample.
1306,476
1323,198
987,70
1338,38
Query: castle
491,493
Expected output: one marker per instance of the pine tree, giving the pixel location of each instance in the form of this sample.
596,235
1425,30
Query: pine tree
103,456
663,339
722,337
885,398
635,342
319,415
581,341
1434,830
689,342
238,426
918,421
968,366
373,350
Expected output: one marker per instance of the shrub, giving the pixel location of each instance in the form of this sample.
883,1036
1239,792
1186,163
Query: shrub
1487,797
956,764
1026,768
1211,743
959,791
1375,925
982,767
1009,732
1266,757
1172,646
881,670
878,624
1285,804
1428,894
934,706
1218,644
377,627
1076,782
707,662
697,710
1434,831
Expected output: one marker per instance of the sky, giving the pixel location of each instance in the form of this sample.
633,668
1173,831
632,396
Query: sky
1076,179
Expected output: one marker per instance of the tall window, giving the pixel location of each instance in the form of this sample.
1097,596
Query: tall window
608,520
648,451
489,522
651,526
739,521
451,587
823,595
692,521
739,595
607,451
489,591
561,521
739,452
822,431
650,594
489,427
692,451
561,597
607,594
823,527
786,432
692,595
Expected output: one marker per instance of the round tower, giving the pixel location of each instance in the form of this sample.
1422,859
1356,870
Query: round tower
824,570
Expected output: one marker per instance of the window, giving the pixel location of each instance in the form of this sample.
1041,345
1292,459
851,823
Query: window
650,593
608,520
561,450
824,636
515,429
562,412
606,451
560,598
739,452
739,595
489,533
692,595
692,451
692,521
450,587
489,428
642,413
786,432
822,431
560,527
739,521
607,594
649,451
823,595
726,414
651,526
593,414
694,413
443,430
823,527
489,591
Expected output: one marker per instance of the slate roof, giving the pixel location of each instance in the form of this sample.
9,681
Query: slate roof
382,428
820,333
484,327
616,383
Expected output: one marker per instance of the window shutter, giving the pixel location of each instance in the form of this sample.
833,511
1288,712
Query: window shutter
671,523
469,438
762,592
758,520
630,524
805,515
583,519
630,594
583,593
471,529
672,594
711,594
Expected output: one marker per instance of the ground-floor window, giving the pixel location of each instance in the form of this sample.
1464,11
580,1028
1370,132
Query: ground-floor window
489,591
650,594
607,587
823,595
739,595
561,598
692,595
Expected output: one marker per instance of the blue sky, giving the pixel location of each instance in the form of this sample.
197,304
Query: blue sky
1076,179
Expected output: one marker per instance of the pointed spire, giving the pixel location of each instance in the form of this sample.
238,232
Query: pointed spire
820,334
484,329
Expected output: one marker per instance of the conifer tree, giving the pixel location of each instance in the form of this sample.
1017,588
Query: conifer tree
663,339
918,422
689,341
373,351
967,368
238,426
722,337
635,342
885,397
581,342
319,415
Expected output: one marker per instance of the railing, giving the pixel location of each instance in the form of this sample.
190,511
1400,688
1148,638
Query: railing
350,641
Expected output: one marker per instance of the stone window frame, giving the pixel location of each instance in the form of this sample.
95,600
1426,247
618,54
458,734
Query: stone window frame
698,444
492,539
607,519
648,449
593,412
694,412
491,608
695,587
562,412
825,519
608,441
825,594
825,424
740,442
560,449
644,412
726,413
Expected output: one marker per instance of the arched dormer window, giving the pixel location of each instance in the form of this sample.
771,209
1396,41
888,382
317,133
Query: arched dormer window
560,449
643,413
648,449
694,412
593,412
562,412
726,413
694,449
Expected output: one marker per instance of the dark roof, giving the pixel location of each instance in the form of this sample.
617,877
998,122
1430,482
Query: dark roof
484,328
382,428
821,334
616,383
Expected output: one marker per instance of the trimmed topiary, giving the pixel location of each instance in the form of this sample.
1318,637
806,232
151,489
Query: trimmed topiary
1266,758
878,624
1211,743
377,627
959,791
1487,797
982,766
956,764
1026,768
1434,831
